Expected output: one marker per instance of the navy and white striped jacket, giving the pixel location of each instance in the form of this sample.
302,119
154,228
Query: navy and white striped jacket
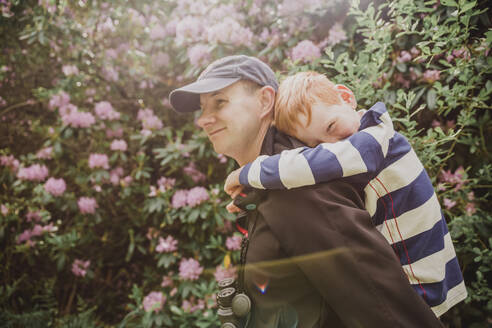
399,196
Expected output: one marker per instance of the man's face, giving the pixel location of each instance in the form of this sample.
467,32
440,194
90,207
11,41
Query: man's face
231,119
329,123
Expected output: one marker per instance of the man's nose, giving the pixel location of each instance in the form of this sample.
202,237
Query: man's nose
205,119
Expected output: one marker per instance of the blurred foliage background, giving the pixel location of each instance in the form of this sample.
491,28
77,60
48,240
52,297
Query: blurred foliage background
112,209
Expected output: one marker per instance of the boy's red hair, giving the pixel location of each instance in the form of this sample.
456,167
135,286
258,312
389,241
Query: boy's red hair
298,93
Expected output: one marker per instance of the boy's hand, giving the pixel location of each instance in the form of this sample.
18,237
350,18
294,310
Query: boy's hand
232,185
231,208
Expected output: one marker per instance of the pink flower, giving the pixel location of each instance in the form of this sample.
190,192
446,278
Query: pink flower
110,74
305,51
179,199
157,32
404,57
55,187
453,178
70,70
154,301
4,210
126,181
222,273
115,175
149,120
189,29
193,173
24,236
98,160
400,79
222,158
61,99
470,208
166,183
105,111
167,245
118,133
432,75
34,172
119,145
167,281
79,267
336,34
461,53
234,243
196,196
77,119
448,203
33,216
45,153
10,162
87,205
161,59
189,269
199,55
435,123
190,306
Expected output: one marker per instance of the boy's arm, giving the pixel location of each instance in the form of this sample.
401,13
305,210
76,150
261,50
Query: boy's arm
363,152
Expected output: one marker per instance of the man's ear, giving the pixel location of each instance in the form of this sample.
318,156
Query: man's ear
267,100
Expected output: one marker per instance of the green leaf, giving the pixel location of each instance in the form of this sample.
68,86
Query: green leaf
449,3
431,99
468,6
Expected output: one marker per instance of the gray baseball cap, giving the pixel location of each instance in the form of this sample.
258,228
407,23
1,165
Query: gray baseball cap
220,74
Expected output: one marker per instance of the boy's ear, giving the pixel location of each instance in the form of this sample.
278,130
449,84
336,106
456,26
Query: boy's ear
346,95
267,100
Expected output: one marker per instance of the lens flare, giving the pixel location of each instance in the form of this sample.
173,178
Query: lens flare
262,287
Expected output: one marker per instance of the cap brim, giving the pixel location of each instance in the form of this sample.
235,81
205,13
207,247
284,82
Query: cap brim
187,99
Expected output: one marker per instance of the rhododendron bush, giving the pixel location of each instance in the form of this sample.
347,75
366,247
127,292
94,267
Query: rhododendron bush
112,211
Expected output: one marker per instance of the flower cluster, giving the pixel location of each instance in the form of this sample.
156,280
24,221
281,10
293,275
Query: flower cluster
98,160
87,205
79,267
154,301
37,230
119,145
76,119
194,173
104,110
190,269
305,51
167,245
192,305
149,120
221,272
34,172
55,187
9,161
192,197
45,153
234,243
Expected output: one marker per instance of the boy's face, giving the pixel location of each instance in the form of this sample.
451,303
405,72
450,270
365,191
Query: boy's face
329,123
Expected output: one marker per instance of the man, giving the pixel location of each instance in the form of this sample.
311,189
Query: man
314,258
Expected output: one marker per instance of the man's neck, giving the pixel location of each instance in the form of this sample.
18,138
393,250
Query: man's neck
249,155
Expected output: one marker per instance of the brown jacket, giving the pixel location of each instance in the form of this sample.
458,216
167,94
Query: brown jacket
316,260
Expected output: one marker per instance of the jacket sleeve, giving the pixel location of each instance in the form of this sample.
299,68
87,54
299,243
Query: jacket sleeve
363,152
332,239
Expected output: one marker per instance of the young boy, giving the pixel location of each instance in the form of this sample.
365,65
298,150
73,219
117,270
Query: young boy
362,148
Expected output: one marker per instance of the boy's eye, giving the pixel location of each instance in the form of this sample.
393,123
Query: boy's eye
330,126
